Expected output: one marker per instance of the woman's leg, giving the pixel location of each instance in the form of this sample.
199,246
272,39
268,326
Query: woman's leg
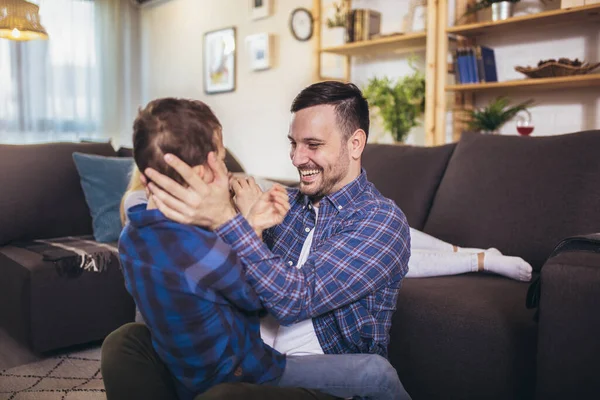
345,375
422,241
425,263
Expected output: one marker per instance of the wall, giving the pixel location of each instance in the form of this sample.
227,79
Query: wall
255,116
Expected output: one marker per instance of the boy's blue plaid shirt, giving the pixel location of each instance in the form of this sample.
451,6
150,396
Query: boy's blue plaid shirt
192,292
350,282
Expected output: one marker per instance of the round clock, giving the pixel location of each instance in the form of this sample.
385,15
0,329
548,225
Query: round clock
301,24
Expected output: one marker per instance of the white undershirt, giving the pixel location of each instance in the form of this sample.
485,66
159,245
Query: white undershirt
299,338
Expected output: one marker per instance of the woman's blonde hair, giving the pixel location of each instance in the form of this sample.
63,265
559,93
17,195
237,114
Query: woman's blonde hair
135,184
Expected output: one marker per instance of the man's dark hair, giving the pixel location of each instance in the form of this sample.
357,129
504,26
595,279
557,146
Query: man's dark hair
185,128
351,108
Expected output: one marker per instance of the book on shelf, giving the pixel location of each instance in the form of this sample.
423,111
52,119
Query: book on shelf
475,64
362,24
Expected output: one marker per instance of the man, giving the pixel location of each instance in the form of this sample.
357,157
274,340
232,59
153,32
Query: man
352,245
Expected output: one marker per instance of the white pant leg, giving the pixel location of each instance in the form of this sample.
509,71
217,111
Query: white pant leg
422,241
427,263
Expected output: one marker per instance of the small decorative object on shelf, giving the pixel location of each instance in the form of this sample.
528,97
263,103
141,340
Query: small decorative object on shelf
562,67
336,25
524,123
491,118
400,104
501,9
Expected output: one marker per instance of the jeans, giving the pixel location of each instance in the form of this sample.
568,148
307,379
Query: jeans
131,370
345,375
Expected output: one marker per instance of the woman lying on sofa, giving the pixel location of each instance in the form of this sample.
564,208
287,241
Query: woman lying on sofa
430,256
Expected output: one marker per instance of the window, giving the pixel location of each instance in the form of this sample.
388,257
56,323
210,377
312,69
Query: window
49,90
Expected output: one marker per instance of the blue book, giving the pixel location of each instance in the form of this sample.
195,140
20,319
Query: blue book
486,64
465,75
473,66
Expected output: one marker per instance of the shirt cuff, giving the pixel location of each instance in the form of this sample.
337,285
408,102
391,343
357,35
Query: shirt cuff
238,233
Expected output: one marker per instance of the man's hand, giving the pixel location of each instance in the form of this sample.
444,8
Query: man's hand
269,210
203,204
246,192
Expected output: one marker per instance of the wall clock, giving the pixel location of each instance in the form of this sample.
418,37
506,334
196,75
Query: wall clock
301,24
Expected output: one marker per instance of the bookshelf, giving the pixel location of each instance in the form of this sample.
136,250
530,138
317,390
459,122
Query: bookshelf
397,44
464,94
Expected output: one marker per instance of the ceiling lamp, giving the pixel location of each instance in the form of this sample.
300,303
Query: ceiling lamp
20,20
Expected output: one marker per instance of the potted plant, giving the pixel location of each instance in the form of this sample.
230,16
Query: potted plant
400,104
337,24
491,118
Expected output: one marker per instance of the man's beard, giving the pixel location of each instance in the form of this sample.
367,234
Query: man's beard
330,179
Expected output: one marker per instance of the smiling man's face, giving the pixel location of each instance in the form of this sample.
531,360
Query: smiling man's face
319,150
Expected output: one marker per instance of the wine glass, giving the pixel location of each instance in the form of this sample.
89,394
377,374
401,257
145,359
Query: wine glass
524,123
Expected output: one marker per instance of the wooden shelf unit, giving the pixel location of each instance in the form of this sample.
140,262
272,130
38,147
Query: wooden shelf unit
464,94
561,82
575,15
396,45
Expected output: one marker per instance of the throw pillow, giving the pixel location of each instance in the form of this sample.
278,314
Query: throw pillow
104,181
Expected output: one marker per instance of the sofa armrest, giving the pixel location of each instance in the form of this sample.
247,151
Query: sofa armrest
568,358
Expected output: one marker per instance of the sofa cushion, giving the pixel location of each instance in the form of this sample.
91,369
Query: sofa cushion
41,193
468,334
104,181
521,195
409,175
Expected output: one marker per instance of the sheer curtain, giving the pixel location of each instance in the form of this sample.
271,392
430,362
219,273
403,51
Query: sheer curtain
79,84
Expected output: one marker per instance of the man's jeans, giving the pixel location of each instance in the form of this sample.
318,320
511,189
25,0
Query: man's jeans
132,370
344,375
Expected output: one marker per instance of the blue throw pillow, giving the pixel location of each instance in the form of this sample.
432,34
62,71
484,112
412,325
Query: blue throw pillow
104,180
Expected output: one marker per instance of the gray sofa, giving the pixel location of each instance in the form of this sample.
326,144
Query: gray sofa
457,337
471,336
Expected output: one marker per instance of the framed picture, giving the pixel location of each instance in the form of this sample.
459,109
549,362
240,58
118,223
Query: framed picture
219,61
260,8
416,18
259,51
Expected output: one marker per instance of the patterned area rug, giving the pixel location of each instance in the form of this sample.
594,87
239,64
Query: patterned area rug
74,376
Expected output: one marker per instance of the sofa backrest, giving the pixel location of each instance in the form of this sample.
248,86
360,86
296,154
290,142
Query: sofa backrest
409,175
521,195
41,195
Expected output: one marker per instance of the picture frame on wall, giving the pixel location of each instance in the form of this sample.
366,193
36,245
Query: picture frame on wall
219,61
260,8
259,51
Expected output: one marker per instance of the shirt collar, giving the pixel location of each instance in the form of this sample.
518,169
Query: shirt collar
346,195
139,216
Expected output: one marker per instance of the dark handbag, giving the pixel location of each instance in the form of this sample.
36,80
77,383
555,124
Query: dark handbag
585,243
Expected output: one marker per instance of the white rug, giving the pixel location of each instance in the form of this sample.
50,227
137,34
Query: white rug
74,376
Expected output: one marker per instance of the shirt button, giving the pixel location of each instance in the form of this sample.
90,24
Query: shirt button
309,206
238,371
290,263
307,229
340,207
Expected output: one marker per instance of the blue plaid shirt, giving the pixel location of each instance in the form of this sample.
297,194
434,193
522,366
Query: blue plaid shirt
350,282
191,290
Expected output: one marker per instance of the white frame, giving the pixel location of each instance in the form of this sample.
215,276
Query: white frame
262,11
225,40
259,51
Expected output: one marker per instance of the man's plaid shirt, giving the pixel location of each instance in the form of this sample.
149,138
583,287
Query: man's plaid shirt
350,282
192,292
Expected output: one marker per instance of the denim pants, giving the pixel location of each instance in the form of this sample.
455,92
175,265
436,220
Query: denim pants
345,375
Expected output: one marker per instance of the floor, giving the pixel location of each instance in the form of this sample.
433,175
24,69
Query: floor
13,354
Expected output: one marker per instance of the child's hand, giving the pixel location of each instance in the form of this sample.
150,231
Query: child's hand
269,210
246,193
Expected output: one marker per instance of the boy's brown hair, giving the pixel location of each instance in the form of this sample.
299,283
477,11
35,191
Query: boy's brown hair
185,128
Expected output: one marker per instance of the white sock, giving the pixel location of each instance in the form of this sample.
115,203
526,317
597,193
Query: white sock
511,267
